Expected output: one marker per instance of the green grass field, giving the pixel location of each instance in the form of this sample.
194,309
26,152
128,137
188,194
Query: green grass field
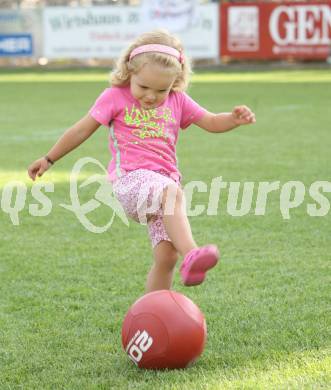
64,290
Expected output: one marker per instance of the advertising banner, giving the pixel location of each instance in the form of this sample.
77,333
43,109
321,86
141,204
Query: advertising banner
103,32
15,45
20,33
276,30
175,16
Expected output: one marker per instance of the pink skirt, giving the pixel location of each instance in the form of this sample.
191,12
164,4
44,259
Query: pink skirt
140,194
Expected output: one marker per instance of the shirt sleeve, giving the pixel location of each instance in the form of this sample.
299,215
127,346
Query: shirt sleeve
191,111
103,108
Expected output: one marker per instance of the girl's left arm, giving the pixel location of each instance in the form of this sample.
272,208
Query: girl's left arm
225,121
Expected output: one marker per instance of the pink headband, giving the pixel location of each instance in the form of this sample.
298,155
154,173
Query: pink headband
158,48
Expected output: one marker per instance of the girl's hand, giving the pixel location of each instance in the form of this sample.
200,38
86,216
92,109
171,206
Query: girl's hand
242,115
38,167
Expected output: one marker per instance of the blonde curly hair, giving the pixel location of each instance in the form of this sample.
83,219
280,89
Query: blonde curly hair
121,74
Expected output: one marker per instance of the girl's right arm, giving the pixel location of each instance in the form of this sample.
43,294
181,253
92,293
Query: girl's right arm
72,138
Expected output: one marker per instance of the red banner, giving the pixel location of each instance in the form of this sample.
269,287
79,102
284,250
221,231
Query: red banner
276,30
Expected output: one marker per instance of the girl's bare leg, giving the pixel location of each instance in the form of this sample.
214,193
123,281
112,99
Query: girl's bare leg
175,220
161,274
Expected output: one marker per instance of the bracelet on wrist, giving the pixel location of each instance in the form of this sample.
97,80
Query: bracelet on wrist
49,160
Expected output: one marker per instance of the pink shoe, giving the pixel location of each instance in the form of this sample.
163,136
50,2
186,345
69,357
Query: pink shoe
197,262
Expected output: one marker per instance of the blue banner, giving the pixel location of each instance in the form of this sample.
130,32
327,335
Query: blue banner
12,45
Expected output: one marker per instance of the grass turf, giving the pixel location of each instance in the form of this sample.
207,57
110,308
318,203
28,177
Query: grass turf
64,291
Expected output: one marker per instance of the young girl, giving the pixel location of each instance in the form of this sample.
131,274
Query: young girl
145,108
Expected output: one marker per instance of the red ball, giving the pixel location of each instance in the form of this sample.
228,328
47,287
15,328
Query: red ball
164,329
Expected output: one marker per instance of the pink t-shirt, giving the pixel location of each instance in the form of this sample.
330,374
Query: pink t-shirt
144,139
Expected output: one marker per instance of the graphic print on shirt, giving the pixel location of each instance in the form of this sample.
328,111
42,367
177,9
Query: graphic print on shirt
149,123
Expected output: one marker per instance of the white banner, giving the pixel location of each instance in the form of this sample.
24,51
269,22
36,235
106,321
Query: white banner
103,32
23,21
174,15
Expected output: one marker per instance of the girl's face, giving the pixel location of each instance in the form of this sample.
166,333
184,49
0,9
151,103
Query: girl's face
151,85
